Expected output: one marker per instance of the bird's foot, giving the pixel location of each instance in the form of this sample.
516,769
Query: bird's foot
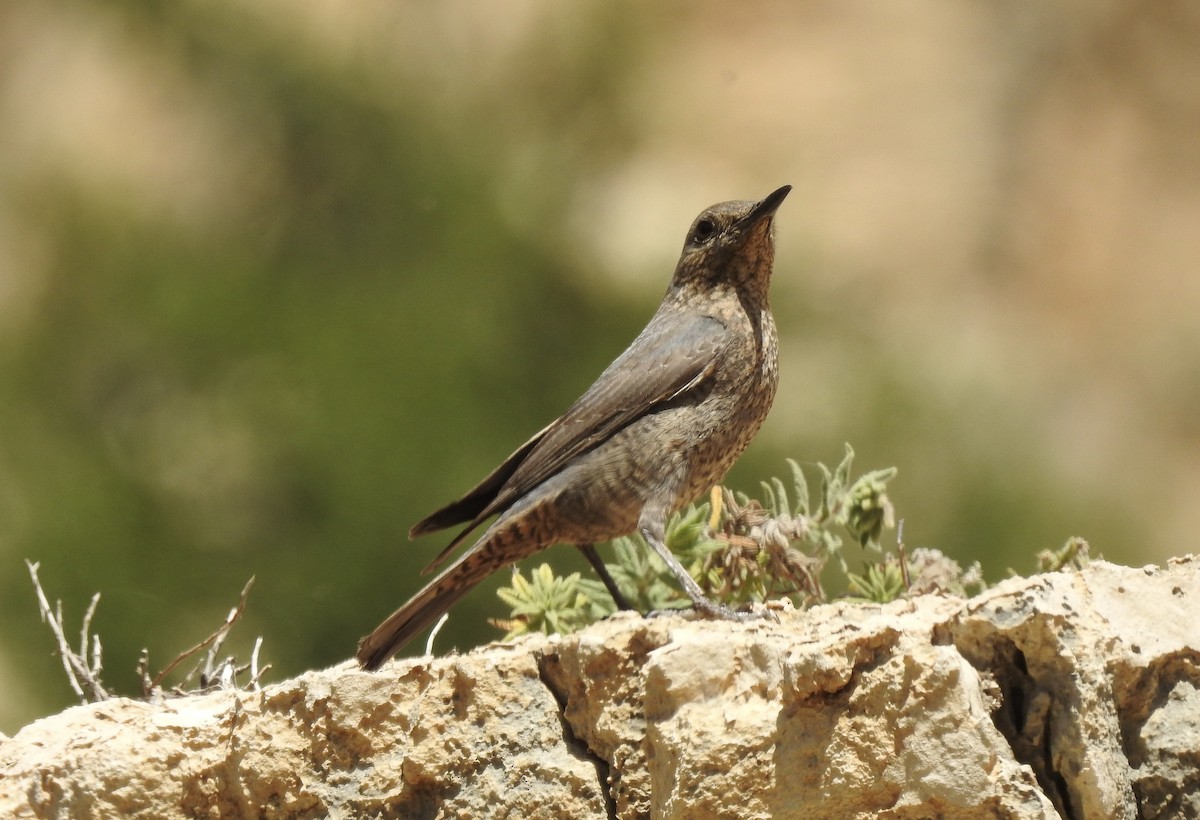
711,610
720,612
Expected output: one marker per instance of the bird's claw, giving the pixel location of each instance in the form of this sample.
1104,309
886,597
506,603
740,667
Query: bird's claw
718,612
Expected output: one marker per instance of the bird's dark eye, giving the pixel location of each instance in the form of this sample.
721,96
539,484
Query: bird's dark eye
704,229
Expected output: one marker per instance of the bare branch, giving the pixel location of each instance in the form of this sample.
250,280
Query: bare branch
75,664
254,673
83,666
434,632
97,660
217,638
87,625
143,673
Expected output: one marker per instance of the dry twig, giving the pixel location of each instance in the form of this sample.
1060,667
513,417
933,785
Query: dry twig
81,672
213,643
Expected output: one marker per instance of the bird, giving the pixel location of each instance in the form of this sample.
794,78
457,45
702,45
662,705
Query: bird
662,424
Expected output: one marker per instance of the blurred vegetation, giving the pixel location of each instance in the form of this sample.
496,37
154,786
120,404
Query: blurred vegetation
739,550
745,551
283,393
274,283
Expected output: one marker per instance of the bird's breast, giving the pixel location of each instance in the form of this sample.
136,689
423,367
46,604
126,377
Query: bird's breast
731,408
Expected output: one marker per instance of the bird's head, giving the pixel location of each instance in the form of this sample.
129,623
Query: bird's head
731,243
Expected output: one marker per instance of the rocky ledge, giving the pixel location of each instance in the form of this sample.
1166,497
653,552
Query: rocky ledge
1073,694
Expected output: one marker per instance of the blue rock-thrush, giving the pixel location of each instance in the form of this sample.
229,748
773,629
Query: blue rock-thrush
660,426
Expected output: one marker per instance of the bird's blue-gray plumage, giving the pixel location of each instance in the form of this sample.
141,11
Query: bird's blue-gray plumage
659,426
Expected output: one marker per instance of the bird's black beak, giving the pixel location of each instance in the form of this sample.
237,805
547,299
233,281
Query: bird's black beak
766,209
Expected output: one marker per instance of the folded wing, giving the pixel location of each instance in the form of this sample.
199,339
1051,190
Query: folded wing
666,362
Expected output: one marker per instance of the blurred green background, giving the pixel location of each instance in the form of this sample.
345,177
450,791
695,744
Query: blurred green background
278,279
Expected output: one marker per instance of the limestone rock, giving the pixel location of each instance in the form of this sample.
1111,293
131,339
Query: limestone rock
1068,694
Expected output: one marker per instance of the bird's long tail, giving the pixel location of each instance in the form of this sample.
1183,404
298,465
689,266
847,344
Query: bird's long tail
423,608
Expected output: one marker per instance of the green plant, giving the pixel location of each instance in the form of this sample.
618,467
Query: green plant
740,550
546,603
879,583
1076,553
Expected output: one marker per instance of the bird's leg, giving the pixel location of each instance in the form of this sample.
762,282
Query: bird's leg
654,532
593,557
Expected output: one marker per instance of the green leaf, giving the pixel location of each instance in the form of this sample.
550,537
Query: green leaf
801,485
782,505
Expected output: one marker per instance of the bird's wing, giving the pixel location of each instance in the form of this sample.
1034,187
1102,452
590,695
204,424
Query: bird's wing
484,493
668,359
665,361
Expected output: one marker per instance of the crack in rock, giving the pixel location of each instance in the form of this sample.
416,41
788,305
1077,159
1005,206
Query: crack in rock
546,662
